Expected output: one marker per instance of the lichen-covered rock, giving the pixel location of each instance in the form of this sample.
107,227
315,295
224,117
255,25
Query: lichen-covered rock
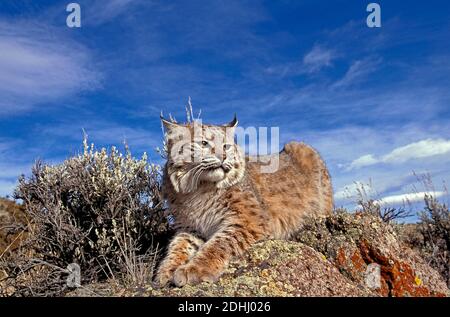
270,268
330,258
353,241
275,268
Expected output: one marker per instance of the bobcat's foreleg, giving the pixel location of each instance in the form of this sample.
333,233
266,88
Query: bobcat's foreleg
213,257
181,249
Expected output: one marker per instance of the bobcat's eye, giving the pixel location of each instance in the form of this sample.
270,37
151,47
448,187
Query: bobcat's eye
204,143
227,147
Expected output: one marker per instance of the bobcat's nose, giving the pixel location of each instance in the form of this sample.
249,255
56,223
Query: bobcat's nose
226,167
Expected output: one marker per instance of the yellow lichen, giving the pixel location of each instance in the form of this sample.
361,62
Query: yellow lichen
264,273
417,280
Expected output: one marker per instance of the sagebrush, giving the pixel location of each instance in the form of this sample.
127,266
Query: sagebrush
101,209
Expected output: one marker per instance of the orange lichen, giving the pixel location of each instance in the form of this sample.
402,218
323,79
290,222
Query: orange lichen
341,259
358,261
397,277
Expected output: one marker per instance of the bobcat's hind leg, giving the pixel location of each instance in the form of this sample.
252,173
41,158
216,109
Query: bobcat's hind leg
181,249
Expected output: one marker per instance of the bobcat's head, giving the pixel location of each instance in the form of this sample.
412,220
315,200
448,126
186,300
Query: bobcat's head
202,154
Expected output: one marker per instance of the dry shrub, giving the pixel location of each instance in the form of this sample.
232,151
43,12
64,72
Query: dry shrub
101,210
372,206
387,214
12,216
431,236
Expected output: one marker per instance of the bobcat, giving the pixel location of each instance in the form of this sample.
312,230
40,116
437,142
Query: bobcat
222,203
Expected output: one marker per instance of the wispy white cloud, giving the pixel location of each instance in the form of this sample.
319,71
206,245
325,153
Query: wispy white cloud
409,198
417,150
99,12
424,148
40,65
313,62
357,72
365,160
417,95
353,190
318,58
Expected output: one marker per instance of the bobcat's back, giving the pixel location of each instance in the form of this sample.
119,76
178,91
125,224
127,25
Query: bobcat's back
301,187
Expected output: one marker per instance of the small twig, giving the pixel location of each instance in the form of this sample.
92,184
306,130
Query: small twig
9,246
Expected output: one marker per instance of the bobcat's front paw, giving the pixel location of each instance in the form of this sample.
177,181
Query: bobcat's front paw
164,275
163,278
193,274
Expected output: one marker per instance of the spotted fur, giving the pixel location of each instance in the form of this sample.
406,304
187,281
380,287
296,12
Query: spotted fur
222,203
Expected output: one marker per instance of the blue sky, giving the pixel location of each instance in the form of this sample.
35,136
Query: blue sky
374,101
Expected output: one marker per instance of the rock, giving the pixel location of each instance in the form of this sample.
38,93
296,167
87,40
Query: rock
270,268
354,241
275,268
330,258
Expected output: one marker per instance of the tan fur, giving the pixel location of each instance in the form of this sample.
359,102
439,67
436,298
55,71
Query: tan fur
233,204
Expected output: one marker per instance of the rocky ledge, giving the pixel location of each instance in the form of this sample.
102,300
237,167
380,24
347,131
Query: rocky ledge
330,257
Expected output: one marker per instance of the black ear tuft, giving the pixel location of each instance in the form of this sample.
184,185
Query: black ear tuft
233,123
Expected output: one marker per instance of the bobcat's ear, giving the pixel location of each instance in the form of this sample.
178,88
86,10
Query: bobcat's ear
169,125
233,123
